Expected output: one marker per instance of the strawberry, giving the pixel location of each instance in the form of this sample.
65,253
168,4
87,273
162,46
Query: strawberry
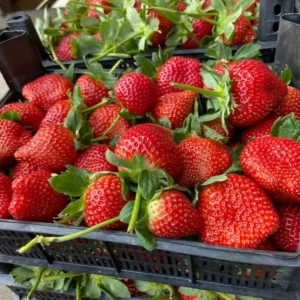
201,158
137,92
236,213
12,137
290,104
201,29
165,26
102,118
172,215
134,292
30,115
34,199
5,196
57,113
93,159
51,148
182,5
175,106
287,237
104,201
92,9
21,169
155,143
64,48
263,128
47,90
181,70
267,245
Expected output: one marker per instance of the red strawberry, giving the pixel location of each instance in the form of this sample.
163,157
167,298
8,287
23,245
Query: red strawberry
273,163
287,237
175,106
260,129
57,113
104,201
93,91
102,118
93,159
51,148
201,29
34,199
201,158
267,245
12,137
181,70
165,26
30,114
172,215
92,9
137,92
181,6
64,48
47,90
5,196
134,292
236,213
290,104
23,168
153,141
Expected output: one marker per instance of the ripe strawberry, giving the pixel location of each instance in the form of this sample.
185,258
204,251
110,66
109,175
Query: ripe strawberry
201,29
201,158
93,159
34,199
287,237
47,90
175,106
93,91
165,26
263,128
92,9
155,143
267,245
172,215
182,5
290,104
273,163
181,70
64,48
30,114
12,137
21,169
134,292
5,196
104,201
51,148
102,118
137,92
57,113
236,213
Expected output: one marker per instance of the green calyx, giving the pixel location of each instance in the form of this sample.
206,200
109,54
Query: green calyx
11,116
286,75
287,127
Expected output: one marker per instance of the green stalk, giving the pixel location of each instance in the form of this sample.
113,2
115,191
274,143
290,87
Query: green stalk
94,107
97,5
119,55
226,297
197,90
172,11
36,283
53,53
78,291
116,65
63,29
135,211
39,239
61,276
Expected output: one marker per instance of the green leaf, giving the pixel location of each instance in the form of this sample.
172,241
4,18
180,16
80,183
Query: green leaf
287,127
211,78
165,122
209,117
151,289
91,288
114,141
69,73
77,98
244,4
249,51
180,134
248,298
228,32
214,179
117,288
214,135
146,238
219,51
286,75
85,174
74,121
145,66
73,212
85,45
109,30
10,115
117,161
126,212
189,291
21,274
148,183
134,19
89,22
219,5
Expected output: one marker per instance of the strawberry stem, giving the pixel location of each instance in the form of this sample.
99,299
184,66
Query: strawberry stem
61,276
36,283
53,53
39,239
97,5
135,211
194,15
116,65
226,297
78,291
197,90
94,107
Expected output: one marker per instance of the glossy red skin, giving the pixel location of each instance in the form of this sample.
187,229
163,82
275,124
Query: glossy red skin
12,137
287,237
201,158
267,245
181,70
134,292
5,196
52,148
30,114
23,168
236,213
172,215
34,199
256,91
201,29
47,90
258,130
93,159
64,48
155,143
290,104
274,163
57,113
175,106
93,91
92,9
104,201
101,119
